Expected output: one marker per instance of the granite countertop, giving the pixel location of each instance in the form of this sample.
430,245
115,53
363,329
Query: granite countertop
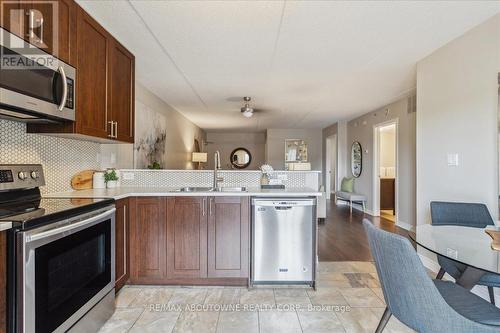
125,192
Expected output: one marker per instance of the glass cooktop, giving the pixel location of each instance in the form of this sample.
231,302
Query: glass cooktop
27,213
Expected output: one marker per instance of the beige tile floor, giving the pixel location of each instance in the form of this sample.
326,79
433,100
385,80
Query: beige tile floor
348,299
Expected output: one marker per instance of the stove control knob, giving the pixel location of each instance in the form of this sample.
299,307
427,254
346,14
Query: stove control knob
35,175
22,175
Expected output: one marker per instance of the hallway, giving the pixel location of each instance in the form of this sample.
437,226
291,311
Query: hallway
342,237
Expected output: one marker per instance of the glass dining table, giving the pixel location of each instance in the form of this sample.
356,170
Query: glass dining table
466,245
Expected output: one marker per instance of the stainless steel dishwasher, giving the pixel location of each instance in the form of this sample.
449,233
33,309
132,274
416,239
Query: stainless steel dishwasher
283,240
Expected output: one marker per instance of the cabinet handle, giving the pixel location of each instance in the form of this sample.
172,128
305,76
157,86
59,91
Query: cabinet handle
112,129
40,40
116,130
31,24
204,203
210,206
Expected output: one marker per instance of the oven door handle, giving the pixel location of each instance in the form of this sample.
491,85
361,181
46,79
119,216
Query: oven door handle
65,88
69,227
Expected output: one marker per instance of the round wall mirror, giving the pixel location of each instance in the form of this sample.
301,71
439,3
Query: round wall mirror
356,159
241,158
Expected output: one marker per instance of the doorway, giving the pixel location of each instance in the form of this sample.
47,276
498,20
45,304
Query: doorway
385,173
331,166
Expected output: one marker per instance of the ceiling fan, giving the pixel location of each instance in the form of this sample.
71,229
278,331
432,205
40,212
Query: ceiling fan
246,110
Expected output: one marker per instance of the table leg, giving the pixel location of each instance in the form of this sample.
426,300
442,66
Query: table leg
470,277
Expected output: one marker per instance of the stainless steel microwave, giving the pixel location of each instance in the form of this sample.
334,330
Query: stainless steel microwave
34,85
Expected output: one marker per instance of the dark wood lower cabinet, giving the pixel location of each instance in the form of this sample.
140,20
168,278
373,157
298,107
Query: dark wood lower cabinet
3,281
189,240
148,231
122,243
228,236
388,194
186,237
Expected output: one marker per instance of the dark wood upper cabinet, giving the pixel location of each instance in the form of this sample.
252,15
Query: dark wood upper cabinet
13,17
121,91
122,243
92,74
186,237
147,239
45,24
105,71
228,237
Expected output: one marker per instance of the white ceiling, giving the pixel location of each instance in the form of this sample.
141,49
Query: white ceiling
307,63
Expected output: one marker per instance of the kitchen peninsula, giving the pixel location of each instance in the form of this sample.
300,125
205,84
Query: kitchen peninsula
180,231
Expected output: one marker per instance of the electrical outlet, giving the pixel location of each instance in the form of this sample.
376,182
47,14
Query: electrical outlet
128,176
453,159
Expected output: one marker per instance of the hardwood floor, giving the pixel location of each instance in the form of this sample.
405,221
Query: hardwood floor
342,237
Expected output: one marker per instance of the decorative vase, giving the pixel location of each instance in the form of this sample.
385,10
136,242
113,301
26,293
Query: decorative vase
98,180
111,184
264,179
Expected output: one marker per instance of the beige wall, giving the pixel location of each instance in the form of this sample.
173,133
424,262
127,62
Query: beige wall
326,132
275,146
225,143
457,113
361,129
388,147
180,132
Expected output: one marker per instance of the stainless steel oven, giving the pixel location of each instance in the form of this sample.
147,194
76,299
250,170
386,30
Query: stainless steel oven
34,86
64,269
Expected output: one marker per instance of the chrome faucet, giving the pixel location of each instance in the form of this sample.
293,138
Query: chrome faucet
217,167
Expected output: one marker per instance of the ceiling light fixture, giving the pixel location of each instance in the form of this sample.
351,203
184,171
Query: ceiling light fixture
246,110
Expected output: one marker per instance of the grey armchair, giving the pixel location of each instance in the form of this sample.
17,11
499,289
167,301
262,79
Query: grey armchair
467,215
424,305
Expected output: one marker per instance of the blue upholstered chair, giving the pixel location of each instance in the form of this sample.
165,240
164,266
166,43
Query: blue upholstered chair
422,304
466,215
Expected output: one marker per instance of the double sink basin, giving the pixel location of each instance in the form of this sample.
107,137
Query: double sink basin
212,189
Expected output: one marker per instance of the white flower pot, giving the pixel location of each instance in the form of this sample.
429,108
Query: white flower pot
111,184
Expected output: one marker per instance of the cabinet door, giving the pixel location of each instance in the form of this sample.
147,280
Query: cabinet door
186,237
147,240
92,64
122,244
13,17
46,24
3,281
228,236
121,91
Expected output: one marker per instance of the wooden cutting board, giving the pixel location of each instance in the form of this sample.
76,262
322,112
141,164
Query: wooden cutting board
495,235
82,180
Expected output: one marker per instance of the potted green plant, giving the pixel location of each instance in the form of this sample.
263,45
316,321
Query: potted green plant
111,178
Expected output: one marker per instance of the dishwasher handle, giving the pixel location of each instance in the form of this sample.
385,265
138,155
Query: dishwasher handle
285,203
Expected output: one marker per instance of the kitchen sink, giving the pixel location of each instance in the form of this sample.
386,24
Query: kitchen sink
194,189
230,189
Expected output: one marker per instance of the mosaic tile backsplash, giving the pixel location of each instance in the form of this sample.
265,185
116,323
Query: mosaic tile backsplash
61,158
181,178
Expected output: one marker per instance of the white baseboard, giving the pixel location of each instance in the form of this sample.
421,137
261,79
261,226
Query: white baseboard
356,206
406,226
